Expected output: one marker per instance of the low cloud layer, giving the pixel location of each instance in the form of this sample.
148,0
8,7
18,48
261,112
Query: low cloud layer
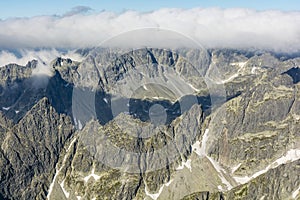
44,58
212,27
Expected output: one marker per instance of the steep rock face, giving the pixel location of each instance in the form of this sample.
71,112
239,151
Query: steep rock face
59,93
106,68
5,125
16,87
249,135
93,170
21,88
279,183
13,72
257,133
67,69
266,114
30,151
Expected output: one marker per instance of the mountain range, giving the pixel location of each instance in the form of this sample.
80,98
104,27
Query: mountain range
152,124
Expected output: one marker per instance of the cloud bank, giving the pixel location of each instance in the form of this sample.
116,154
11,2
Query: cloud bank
43,56
211,27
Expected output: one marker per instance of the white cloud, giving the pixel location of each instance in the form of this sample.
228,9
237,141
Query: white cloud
43,70
211,27
44,57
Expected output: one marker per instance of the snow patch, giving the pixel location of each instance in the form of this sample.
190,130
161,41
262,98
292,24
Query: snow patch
235,168
290,156
168,183
78,197
67,194
240,64
75,121
253,70
262,198
220,187
220,170
69,147
5,108
196,147
58,170
95,176
204,142
295,193
17,111
228,79
201,150
197,90
105,99
155,196
186,164
52,183
145,88
242,180
79,125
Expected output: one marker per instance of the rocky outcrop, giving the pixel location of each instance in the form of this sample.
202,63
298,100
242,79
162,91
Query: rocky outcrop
30,151
279,183
93,165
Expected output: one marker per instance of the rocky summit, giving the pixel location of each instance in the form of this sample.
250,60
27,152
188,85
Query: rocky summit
152,124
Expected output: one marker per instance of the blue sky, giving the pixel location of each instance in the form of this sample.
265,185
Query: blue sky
28,8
